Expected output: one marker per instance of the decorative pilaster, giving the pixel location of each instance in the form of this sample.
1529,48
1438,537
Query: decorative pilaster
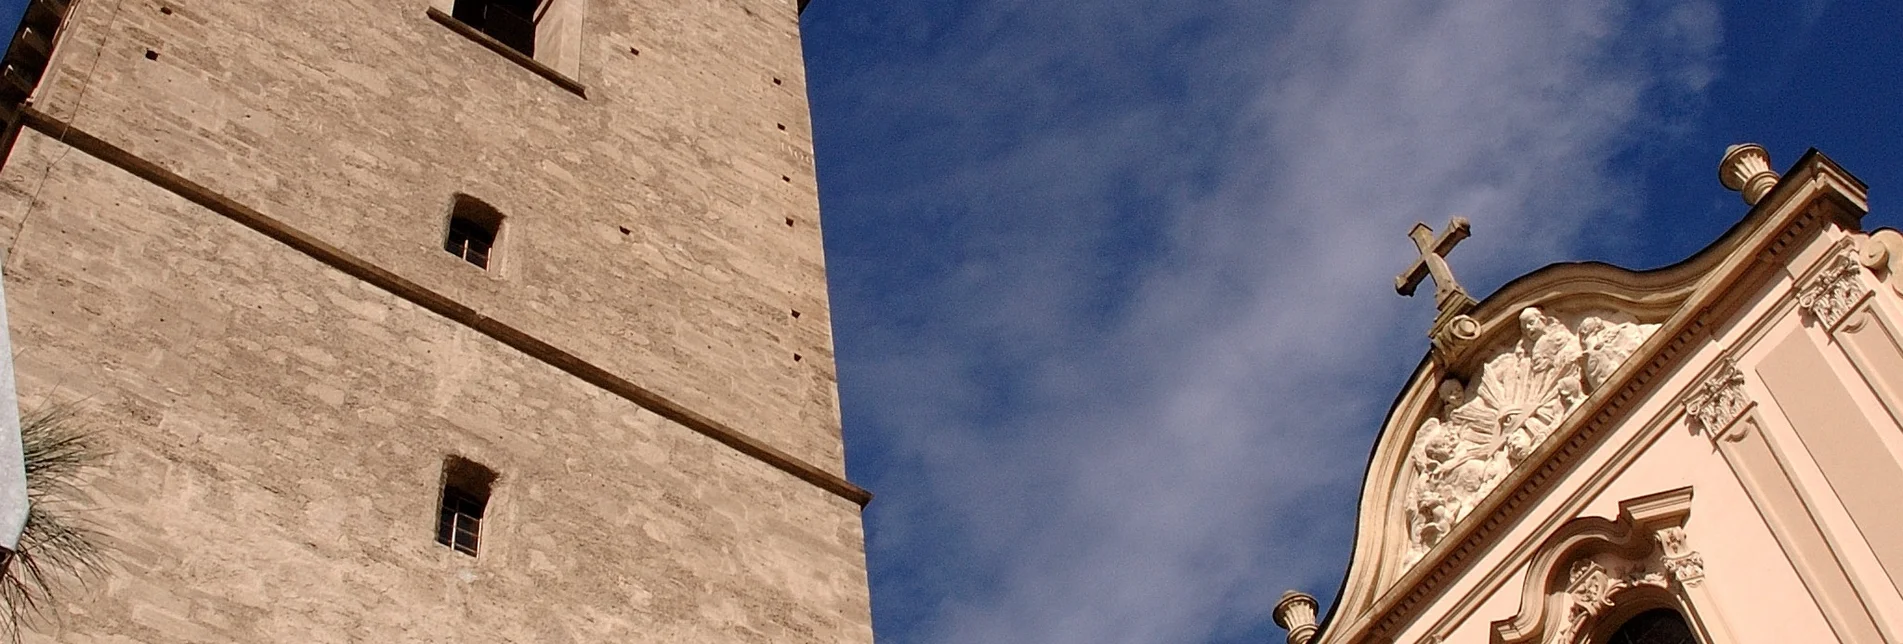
1834,289
1688,567
1718,401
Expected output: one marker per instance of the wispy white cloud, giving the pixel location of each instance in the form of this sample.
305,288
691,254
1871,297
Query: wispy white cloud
1117,329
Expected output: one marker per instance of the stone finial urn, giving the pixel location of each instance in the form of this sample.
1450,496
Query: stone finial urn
1296,612
1746,169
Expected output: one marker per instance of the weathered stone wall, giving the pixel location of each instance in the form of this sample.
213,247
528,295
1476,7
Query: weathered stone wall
356,120
278,428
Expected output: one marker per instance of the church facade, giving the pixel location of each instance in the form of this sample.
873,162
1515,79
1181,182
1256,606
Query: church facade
434,320
1710,452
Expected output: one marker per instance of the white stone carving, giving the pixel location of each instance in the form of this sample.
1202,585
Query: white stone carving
1592,586
1607,345
1717,401
1522,395
1676,554
1590,589
1829,295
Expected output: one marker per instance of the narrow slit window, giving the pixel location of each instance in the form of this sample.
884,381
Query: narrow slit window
473,226
466,487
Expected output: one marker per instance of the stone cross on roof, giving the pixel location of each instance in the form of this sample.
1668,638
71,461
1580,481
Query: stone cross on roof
1448,294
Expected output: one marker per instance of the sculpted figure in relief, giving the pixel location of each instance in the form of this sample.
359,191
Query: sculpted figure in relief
1522,396
1608,344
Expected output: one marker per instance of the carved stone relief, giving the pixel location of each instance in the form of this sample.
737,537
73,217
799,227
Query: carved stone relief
1593,585
1591,567
1520,396
1686,565
1590,590
1829,295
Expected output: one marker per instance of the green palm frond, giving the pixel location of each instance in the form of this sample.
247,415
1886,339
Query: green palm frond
58,544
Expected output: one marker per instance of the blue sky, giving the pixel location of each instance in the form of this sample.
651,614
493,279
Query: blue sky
1112,279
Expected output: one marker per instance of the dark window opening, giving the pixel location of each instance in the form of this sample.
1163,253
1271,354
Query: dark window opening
1657,626
510,22
466,487
472,230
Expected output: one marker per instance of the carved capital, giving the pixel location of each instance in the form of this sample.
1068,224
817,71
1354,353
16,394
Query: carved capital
1719,400
1685,564
1673,541
1829,294
1688,570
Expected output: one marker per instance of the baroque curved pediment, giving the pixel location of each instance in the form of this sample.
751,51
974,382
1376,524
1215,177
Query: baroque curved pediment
1479,408
1546,359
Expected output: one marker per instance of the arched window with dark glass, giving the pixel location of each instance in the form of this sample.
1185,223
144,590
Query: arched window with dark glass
1657,626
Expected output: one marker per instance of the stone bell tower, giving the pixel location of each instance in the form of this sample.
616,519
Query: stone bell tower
436,320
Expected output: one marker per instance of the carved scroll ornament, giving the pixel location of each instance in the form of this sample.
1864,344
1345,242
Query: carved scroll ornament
1592,588
1829,295
1685,564
1592,567
1522,395
1718,400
